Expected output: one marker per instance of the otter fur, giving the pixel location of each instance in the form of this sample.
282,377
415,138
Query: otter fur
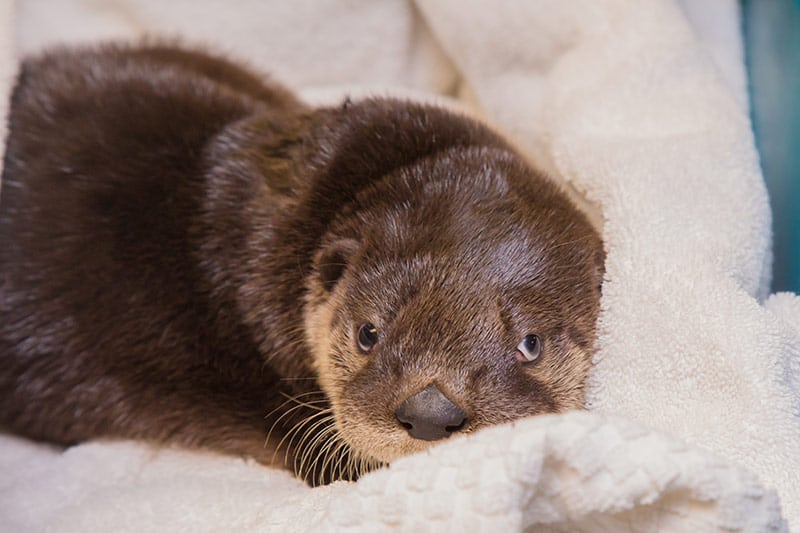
190,255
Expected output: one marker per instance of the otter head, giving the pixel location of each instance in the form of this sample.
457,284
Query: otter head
455,293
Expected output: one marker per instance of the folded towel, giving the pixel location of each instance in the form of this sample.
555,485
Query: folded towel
694,398
575,472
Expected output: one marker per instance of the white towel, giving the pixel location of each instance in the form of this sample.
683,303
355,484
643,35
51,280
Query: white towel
575,472
695,409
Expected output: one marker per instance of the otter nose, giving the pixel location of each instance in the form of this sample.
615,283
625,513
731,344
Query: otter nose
429,415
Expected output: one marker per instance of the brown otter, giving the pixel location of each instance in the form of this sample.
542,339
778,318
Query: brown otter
186,249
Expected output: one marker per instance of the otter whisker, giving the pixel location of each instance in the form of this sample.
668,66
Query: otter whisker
328,464
352,466
307,404
306,393
276,409
307,451
315,436
322,453
315,422
289,400
310,431
284,415
328,451
361,464
344,459
336,456
343,467
293,431
351,463
337,452
367,464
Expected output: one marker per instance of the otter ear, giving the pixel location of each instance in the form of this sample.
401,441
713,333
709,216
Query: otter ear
332,261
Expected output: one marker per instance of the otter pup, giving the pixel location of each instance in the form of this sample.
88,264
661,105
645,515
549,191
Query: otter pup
191,255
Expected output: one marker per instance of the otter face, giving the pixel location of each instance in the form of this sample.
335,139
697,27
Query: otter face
455,294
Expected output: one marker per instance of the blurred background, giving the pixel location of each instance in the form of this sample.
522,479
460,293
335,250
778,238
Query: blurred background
772,50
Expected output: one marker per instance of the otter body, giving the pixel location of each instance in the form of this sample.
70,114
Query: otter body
191,255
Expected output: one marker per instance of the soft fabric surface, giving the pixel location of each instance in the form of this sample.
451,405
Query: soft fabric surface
576,472
697,365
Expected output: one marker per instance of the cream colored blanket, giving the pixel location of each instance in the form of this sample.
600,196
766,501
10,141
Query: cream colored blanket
694,420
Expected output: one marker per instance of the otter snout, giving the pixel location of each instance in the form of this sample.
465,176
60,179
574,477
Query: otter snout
430,415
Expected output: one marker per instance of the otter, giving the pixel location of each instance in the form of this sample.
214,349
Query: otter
192,256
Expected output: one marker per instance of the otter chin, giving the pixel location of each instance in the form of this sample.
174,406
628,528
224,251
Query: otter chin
192,256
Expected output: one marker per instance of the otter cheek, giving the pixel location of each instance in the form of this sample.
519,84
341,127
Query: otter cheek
318,321
566,376
363,417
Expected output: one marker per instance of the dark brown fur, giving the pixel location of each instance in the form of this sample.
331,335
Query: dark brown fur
170,230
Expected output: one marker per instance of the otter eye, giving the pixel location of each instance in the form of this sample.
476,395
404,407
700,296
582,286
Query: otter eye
367,337
529,349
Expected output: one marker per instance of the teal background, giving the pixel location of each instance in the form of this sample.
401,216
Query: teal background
772,49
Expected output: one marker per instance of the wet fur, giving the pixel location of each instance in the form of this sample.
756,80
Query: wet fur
186,251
